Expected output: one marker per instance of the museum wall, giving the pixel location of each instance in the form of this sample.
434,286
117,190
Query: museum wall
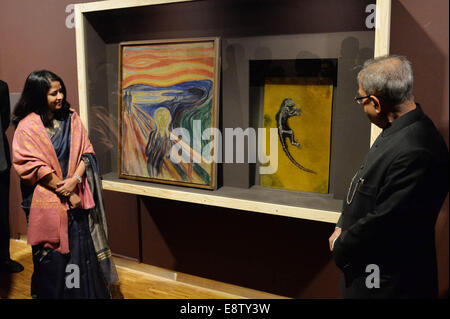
419,30
280,255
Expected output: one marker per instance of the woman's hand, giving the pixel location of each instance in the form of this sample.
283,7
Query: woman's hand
66,187
74,201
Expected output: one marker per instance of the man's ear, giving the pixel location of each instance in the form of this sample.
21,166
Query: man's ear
376,102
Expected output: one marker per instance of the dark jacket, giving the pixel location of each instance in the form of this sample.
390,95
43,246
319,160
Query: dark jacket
5,160
389,215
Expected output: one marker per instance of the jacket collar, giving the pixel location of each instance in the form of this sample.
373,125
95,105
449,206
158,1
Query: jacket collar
404,121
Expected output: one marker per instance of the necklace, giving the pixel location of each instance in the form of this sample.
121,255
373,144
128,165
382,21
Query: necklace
51,131
357,185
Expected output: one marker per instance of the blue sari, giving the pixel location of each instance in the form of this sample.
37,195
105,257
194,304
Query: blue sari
76,274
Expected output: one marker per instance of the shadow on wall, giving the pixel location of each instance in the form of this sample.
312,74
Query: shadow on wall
409,38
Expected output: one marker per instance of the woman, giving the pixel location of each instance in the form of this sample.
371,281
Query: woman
50,151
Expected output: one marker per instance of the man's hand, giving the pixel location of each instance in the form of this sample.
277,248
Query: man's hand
333,237
74,201
65,187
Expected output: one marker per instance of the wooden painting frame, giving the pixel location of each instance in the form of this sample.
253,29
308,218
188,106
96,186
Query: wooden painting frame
209,181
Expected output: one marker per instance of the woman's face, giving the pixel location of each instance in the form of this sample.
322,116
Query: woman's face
55,96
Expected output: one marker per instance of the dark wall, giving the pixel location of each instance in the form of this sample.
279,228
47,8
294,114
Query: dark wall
275,254
419,30
285,256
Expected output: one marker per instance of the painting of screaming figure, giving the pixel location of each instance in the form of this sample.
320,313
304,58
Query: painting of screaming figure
168,98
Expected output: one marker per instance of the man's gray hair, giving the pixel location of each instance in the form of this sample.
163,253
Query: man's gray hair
389,77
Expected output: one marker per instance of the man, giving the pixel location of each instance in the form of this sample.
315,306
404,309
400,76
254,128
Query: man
384,241
6,264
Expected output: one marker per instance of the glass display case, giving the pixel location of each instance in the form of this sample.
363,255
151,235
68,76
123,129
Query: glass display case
274,56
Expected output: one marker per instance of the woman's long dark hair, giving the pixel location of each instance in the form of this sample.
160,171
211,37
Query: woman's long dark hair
34,98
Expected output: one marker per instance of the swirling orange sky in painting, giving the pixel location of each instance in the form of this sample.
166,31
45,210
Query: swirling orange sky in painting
168,64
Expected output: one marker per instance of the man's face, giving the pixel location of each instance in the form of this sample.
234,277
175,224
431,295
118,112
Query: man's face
372,111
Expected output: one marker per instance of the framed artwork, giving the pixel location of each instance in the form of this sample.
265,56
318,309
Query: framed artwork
168,96
300,108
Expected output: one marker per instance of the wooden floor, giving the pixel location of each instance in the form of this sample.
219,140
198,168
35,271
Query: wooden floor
137,281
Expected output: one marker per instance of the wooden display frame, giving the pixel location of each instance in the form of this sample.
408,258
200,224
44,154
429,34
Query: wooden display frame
224,197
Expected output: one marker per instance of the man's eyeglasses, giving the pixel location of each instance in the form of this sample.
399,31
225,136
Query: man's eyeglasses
358,99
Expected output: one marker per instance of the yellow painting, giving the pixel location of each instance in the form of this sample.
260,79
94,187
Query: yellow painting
300,109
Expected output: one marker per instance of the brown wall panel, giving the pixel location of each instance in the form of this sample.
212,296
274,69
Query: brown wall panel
33,35
420,31
123,224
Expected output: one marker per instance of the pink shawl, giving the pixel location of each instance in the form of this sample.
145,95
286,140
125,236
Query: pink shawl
33,158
